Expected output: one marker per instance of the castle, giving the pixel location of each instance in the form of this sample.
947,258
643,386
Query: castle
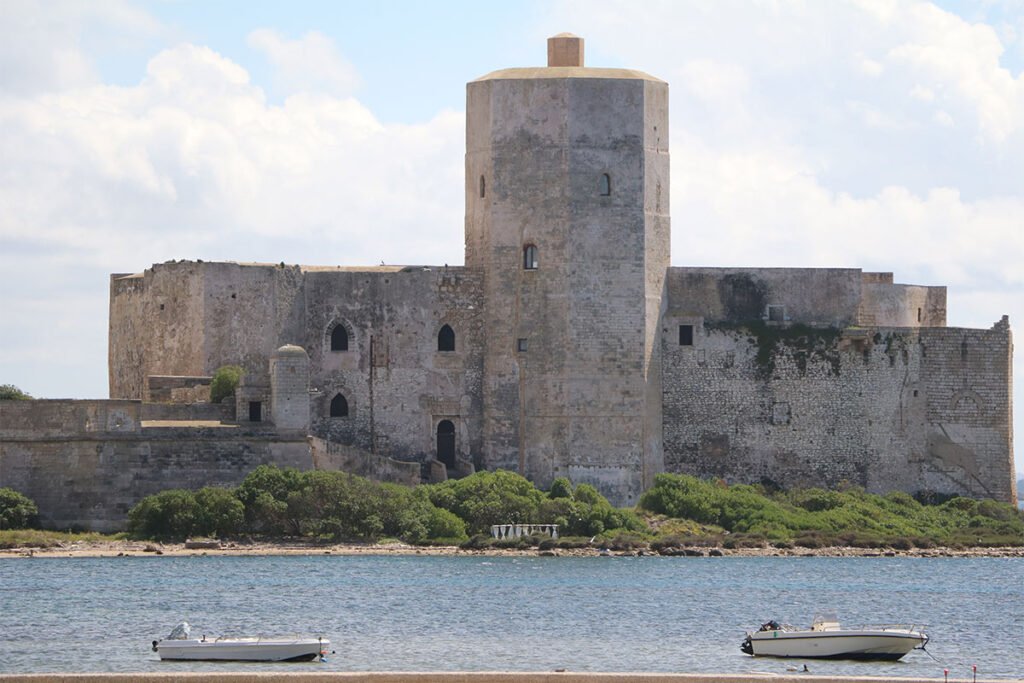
566,346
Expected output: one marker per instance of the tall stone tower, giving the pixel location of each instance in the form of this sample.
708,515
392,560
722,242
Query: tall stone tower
567,216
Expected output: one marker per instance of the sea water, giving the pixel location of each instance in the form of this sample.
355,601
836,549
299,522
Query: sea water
475,613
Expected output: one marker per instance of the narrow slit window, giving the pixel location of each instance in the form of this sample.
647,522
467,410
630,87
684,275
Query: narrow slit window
339,338
483,187
606,185
446,339
530,259
919,315
339,406
686,335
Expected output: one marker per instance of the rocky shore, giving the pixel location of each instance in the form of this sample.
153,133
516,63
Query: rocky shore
200,548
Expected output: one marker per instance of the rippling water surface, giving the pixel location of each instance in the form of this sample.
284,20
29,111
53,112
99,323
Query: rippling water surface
648,614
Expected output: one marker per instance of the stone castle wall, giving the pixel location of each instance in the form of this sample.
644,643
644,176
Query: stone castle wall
397,385
894,409
86,463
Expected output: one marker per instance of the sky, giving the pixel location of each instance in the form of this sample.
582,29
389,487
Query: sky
875,134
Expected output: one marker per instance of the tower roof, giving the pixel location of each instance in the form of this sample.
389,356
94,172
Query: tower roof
565,60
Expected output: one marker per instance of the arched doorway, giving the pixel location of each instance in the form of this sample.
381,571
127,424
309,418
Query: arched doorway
446,442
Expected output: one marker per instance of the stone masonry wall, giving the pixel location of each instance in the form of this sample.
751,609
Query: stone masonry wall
397,384
967,377
86,463
816,407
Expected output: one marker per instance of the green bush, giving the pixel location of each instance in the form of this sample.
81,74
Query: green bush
9,392
560,488
17,511
220,512
225,381
487,498
264,494
477,542
168,515
177,514
342,507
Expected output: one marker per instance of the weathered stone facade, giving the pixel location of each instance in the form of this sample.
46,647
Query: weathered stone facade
567,345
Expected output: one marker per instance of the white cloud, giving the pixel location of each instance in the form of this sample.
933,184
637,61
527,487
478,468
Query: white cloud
310,64
943,48
869,67
41,44
193,163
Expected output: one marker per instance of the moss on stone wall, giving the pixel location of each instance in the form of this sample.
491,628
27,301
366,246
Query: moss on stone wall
803,342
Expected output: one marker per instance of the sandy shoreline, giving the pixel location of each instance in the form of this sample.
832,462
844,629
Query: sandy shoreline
150,549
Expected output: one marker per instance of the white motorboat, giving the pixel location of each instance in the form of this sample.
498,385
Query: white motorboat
826,639
179,646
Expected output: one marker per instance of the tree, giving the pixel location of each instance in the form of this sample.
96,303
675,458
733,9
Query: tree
220,512
9,392
170,514
16,510
225,381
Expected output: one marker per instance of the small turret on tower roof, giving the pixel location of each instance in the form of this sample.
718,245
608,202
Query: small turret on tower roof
565,49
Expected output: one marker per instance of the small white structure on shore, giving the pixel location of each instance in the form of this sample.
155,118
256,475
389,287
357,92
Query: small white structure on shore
518,530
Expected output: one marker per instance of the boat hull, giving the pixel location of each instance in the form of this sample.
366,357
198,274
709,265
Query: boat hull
879,645
243,650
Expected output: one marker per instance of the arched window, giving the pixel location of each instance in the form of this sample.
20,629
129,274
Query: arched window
339,406
446,442
530,261
446,339
339,338
483,187
606,185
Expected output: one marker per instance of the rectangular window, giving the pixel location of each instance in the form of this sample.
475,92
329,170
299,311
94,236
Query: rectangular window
686,335
777,314
521,345
255,411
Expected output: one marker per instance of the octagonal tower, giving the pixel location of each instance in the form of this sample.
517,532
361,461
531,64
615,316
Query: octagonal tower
567,216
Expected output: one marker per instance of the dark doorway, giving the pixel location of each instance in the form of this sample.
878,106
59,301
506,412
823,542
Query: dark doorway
446,442
255,411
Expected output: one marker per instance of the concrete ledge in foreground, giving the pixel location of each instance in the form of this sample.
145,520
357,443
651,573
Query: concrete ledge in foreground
465,677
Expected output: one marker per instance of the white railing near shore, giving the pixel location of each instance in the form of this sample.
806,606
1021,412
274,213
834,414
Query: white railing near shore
519,530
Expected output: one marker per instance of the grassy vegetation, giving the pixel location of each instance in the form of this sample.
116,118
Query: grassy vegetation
677,512
816,517
36,538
